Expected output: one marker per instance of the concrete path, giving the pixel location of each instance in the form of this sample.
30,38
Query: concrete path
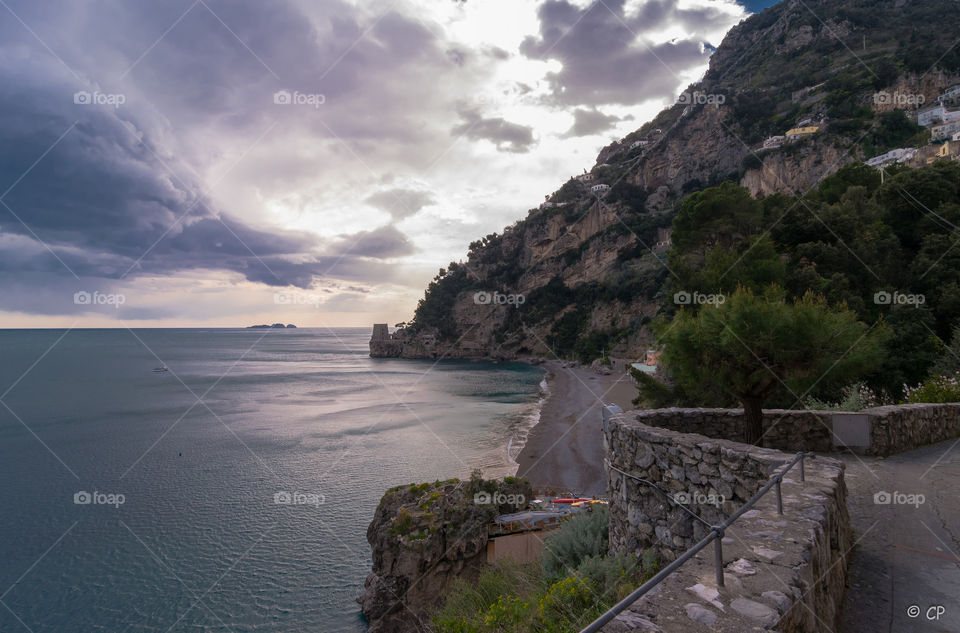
907,557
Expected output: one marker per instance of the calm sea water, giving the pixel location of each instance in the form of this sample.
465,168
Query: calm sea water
198,454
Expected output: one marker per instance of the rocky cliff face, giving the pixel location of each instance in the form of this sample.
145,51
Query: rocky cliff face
580,276
423,537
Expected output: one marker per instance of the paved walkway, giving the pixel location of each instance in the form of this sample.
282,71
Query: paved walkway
908,552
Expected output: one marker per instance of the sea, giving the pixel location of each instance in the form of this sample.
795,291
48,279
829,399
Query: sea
232,492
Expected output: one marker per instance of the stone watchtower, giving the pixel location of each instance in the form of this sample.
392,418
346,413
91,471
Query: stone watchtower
383,344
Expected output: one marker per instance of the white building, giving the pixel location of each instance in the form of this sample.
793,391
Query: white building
774,141
600,188
944,131
898,155
585,177
950,94
935,115
638,144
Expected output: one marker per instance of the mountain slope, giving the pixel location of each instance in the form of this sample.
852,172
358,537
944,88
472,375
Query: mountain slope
581,275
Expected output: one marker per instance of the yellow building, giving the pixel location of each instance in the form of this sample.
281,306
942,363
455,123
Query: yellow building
801,131
950,149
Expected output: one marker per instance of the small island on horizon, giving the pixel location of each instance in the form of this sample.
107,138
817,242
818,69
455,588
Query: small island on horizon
275,325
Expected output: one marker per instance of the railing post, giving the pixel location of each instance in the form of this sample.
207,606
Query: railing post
803,474
779,497
718,553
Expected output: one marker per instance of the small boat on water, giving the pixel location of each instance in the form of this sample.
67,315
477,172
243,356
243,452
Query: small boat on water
160,369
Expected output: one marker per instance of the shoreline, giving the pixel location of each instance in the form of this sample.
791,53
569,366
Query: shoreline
564,449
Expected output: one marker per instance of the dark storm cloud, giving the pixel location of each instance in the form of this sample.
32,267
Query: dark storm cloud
588,122
604,60
507,136
400,203
109,192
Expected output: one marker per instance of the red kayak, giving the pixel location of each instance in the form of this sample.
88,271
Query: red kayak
570,499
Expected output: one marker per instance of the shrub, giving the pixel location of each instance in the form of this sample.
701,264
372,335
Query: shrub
934,389
568,601
581,536
610,575
856,397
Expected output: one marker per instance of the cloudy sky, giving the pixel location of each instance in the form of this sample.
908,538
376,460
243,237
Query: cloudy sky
192,162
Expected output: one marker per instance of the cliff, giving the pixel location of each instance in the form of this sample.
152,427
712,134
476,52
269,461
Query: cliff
580,276
422,538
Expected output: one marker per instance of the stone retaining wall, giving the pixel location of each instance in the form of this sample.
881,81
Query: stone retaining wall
878,431
785,573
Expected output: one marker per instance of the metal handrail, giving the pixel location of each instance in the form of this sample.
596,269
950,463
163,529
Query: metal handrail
716,535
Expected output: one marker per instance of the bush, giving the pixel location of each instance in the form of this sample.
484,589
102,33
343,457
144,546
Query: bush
610,575
582,536
856,397
934,389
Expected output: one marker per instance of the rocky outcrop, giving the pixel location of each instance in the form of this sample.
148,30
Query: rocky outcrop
782,573
796,170
422,538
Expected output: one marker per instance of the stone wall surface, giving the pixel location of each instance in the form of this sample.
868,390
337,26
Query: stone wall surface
889,430
782,572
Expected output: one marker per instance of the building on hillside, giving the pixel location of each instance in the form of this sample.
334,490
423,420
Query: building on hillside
636,144
937,115
774,141
663,236
899,155
584,177
799,132
649,363
547,205
599,188
948,151
944,131
950,94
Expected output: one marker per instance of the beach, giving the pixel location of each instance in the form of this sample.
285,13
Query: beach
564,450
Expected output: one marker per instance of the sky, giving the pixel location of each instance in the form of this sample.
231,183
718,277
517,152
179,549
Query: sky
229,162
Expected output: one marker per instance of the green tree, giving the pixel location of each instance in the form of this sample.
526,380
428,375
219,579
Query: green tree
751,345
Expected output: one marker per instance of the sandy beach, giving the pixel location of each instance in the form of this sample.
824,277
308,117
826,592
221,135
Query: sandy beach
565,448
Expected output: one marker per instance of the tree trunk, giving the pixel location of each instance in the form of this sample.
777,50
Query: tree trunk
752,419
